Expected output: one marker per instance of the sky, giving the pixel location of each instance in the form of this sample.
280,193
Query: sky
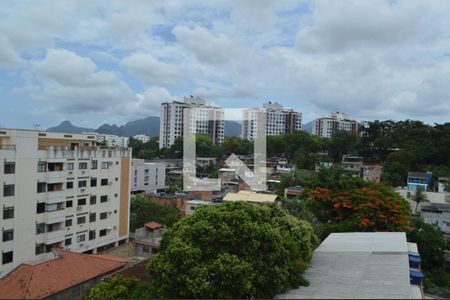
95,62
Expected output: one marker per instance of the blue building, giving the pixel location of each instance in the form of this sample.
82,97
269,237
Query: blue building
419,179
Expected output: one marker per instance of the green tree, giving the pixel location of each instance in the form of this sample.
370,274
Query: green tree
431,244
343,142
419,197
143,211
233,250
120,287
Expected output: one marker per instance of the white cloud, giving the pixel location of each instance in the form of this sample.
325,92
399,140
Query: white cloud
152,71
8,57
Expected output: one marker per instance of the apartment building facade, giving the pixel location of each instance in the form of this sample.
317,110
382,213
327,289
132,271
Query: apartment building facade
60,190
277,120
142,138
111,140
147,177
204,119
327,126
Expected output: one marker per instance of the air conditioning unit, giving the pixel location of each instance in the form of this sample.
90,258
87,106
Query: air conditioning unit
109,212
80,245
83,189
83,172
115,227
110,163
79,207
70,172
110,183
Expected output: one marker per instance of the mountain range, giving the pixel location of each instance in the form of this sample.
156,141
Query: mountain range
148,126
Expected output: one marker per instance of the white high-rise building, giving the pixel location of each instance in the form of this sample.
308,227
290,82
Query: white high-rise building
278,120
113,140
205,119
142,138
147,177
60,190
327,126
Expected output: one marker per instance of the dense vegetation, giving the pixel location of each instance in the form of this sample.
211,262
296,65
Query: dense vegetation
142,211
399,146
120,287
233,250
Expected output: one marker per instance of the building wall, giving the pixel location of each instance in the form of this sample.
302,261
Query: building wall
147,177
55,212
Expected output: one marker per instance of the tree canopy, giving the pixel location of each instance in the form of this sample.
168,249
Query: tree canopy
233,250
143,211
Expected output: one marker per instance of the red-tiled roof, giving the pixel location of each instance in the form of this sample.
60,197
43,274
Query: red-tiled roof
153,225
44,279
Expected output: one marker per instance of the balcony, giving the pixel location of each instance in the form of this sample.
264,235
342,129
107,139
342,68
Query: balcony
56,216
54,236
59,152
8,147
53,195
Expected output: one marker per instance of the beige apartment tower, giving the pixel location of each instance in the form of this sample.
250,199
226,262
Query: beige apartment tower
60,190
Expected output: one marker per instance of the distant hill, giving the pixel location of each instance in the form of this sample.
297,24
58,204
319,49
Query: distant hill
232,128
148,126
68,127
308,127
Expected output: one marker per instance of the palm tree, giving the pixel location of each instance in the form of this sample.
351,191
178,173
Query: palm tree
419,197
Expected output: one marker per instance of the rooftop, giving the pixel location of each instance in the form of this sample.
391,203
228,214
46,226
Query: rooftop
249,196
66,270
153,225
358,266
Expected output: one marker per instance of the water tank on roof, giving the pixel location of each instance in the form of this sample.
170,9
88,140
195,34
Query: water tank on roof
415,277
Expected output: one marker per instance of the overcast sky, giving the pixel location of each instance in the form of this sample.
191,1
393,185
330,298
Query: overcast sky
93,62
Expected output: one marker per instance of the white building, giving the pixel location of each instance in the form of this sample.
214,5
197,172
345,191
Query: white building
205,119
327,126
60,190
113,140
142,138
147,177
192,205
278,120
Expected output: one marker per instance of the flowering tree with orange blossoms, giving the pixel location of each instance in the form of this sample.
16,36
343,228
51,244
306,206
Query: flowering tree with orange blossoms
369,208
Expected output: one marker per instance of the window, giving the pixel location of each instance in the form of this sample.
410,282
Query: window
69,203
92,217
104,182
41,187
68,222
42,166
8,235
10,168
93,182
8,190
82,183
82,201
93,199
105,165
92,235
7,257
103,215
40,207
8,213
81,238
69,185
82,166
102,232
68,242
103,198
40,228
39,249
94,165
70,166
81,220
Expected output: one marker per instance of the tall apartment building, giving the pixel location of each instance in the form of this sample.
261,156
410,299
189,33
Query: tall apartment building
327,126
205,119
60,190
278,120
147,177
111,140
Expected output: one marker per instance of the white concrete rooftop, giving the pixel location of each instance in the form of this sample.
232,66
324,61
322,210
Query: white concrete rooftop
359,266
